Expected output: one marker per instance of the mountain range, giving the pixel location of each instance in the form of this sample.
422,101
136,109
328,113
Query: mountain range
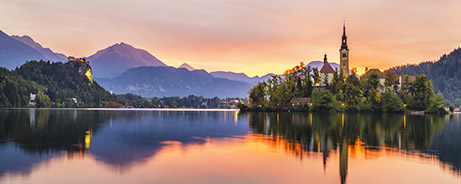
48,53
186,66
117,66
14,53
240,77
151,81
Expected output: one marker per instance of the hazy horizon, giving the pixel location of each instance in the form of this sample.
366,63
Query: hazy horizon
256,38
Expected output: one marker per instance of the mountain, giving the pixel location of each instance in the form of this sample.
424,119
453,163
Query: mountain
14,53
319,64
114,60
48,53
240,77
444,73
186,66
170,81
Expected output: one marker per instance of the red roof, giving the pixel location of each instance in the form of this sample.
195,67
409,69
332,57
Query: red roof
377,71
326,68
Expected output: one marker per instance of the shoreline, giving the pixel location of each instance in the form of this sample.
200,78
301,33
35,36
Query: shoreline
128,109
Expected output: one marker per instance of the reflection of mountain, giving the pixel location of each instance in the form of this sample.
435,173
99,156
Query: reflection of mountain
137,136
117,138
338,132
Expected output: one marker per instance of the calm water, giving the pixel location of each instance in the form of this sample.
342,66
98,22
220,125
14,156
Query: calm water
101,146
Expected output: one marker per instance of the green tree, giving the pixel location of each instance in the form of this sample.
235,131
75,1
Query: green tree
352,93
421,92
322,100
391,102
42,99
257,95
437,105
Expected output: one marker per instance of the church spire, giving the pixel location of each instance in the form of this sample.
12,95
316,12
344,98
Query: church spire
325,60
344,38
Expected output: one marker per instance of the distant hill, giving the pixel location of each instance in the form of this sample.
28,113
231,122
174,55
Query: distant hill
444,73
116,59
170,81
48,53
240,77
54,83
186,66
14,53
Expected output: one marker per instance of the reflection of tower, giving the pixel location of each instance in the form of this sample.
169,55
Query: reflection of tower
343,148
326,152
343,159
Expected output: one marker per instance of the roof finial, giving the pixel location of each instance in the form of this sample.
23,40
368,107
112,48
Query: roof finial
344,27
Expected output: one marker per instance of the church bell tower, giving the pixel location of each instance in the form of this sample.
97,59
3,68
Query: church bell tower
344,55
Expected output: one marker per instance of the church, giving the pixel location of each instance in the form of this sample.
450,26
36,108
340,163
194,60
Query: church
326,72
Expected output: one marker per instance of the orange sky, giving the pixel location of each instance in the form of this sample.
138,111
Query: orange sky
255,37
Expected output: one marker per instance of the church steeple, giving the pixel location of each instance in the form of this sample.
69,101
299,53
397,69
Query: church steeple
344,38
344,55
325,60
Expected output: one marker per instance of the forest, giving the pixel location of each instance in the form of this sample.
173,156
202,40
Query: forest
58,84
366,94
54,84
444,73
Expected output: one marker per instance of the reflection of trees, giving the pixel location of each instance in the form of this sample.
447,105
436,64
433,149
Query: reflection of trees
448,145
120,139
40,131
325,132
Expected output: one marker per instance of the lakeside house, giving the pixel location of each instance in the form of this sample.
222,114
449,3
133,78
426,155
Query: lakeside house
32,99
301,101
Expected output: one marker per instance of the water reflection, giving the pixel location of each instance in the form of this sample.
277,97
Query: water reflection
429,137
127,140
119,139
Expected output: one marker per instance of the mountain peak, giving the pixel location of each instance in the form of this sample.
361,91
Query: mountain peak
186,66
117,58
48,53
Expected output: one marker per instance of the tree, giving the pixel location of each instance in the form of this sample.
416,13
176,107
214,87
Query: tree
452,108
421,92
352,92
322,100
392,80
257,95
437,105
391,102
405,90
42,99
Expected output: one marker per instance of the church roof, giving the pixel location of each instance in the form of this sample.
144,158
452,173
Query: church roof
377,71
326,68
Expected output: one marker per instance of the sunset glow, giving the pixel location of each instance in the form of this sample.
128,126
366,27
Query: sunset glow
256,37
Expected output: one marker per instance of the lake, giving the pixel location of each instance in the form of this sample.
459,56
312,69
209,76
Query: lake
169,147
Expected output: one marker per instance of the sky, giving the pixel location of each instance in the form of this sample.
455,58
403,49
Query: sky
255,37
